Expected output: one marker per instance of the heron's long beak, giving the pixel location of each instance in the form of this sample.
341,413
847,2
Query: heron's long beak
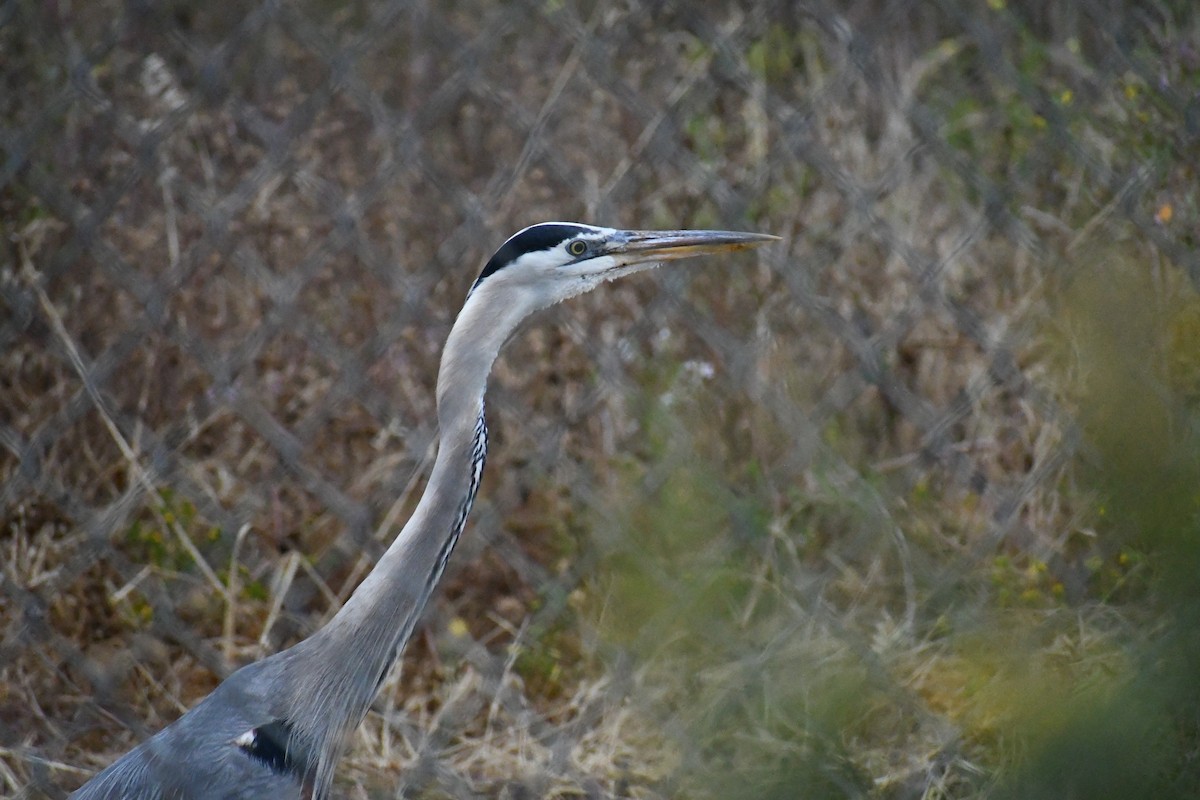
632,247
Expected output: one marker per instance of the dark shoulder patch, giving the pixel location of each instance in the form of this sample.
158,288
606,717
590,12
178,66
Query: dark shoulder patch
276,747
530,240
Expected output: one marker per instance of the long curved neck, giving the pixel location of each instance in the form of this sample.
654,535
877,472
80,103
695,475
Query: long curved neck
335,673
393,595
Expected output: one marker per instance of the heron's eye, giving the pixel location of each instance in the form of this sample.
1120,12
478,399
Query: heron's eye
577,248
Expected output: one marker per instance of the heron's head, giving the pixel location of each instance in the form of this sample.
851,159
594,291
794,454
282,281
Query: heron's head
538,267
551,261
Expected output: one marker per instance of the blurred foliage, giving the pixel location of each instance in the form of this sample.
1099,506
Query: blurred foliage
1087,691
765,718
153,541
1131,373
1091,696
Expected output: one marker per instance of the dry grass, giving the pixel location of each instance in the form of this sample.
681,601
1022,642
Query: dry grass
827,522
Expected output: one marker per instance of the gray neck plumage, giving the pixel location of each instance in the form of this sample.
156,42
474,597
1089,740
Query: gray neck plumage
333,675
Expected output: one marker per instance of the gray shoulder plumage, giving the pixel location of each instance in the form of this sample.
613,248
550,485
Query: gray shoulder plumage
235,733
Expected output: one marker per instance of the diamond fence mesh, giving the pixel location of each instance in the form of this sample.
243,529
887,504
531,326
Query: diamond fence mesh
902,507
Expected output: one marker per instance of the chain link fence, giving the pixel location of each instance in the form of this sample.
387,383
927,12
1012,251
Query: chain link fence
838,518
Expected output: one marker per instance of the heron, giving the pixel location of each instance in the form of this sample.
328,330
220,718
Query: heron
276,727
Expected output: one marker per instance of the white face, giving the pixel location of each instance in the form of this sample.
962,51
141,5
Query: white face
552,261
543,265
573,266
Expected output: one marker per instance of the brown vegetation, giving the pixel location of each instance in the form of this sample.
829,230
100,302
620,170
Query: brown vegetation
897,509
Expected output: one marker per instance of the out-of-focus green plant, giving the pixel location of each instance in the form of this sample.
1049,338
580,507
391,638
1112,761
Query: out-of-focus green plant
152,544
1127,365
762,700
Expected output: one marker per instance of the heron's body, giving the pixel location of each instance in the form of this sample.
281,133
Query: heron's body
275,728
